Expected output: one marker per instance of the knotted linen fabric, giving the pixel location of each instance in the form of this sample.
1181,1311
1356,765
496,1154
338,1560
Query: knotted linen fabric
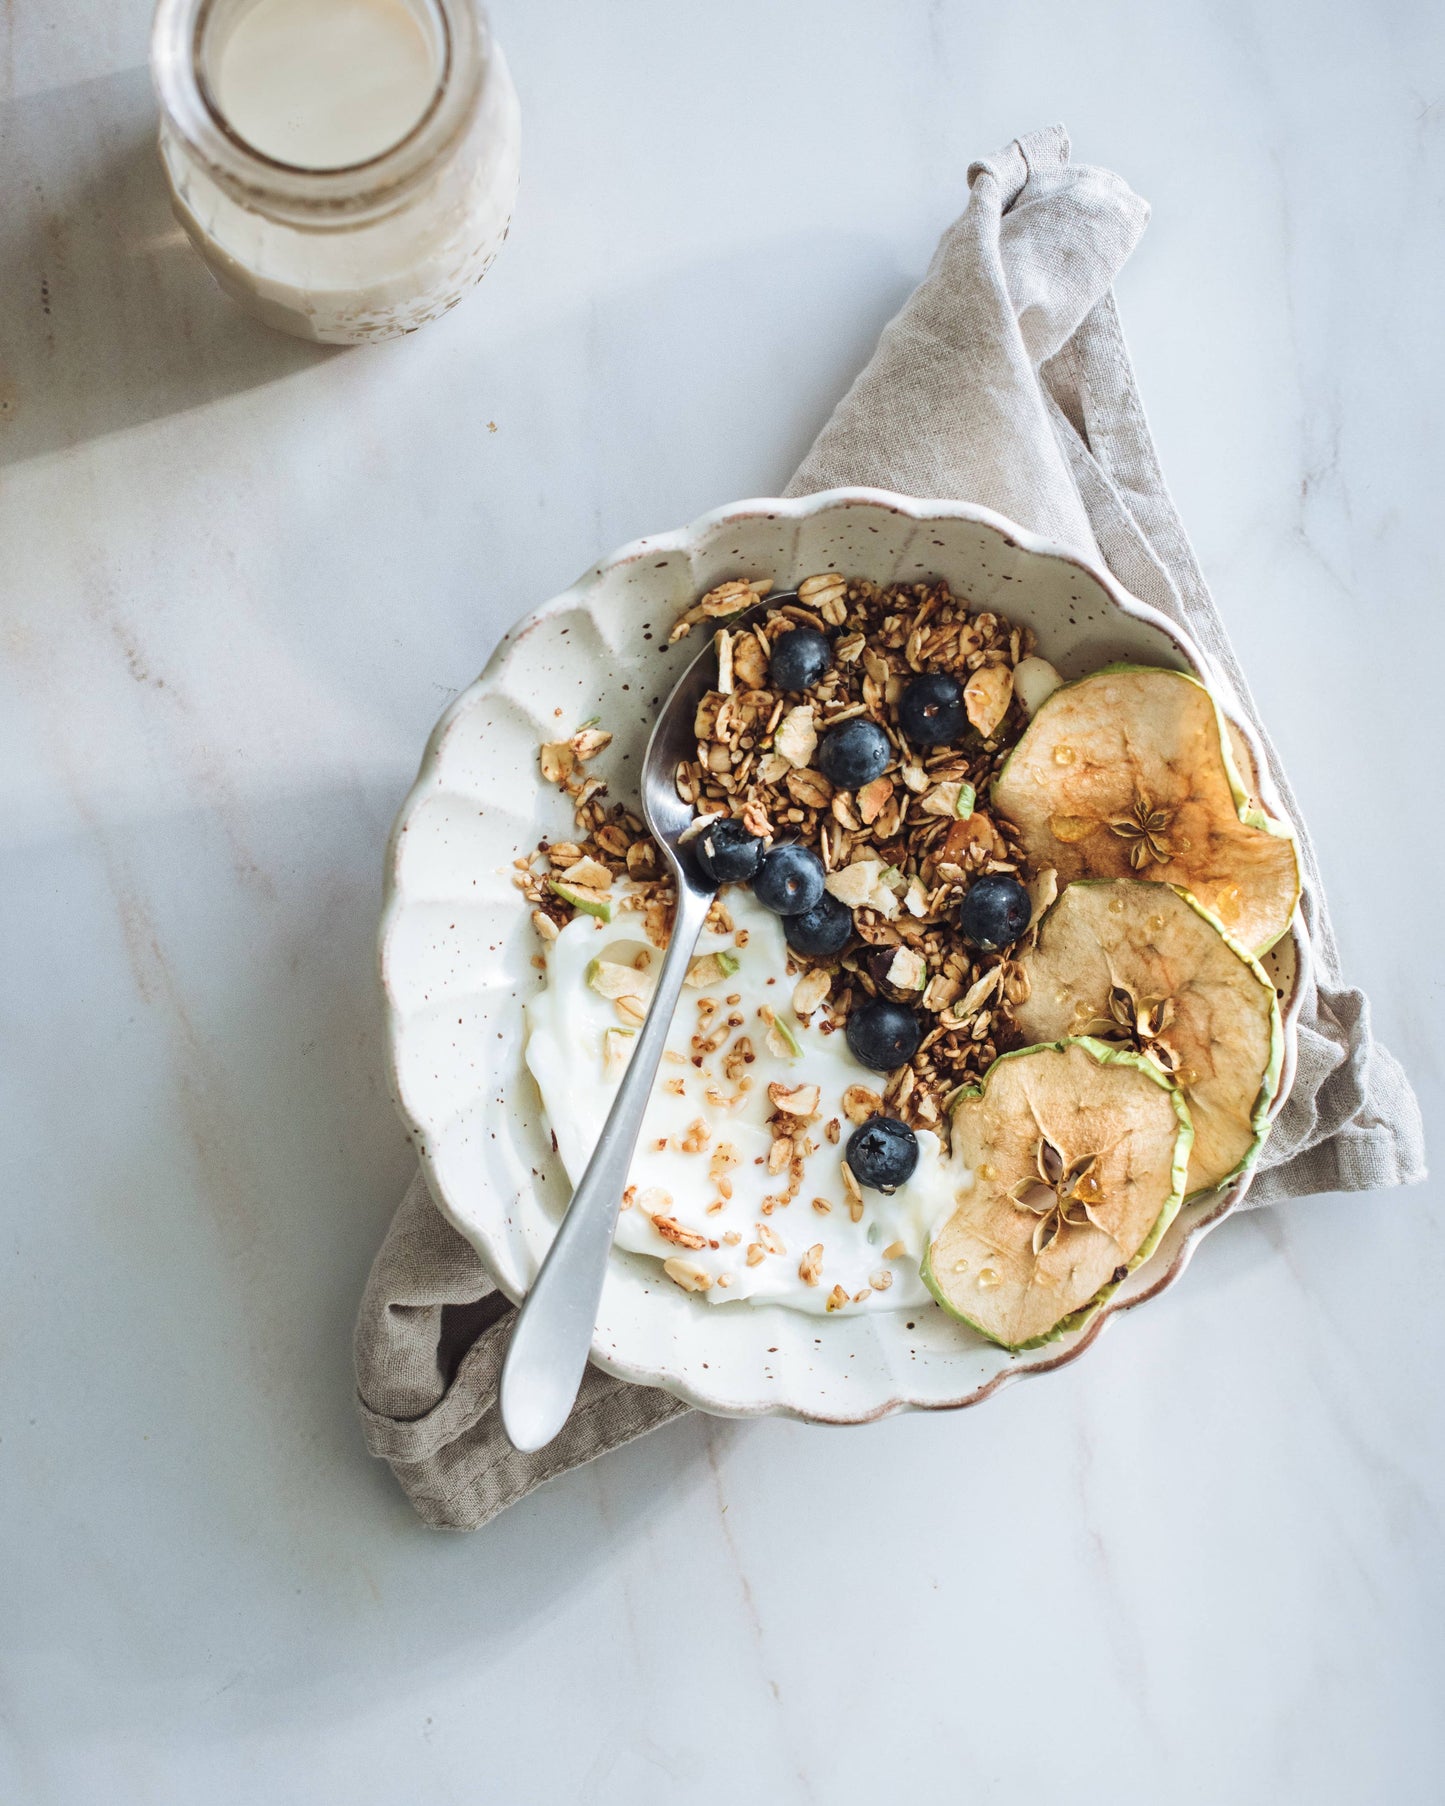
1004,381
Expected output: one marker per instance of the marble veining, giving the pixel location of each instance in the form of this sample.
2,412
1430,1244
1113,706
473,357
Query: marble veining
240,579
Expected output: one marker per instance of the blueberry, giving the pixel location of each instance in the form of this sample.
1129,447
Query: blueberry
800,657
726,853
882,1152
883,1035
789,880
995,912
854,754
931,710
821,931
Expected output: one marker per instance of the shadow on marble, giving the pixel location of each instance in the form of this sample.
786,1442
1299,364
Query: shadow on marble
231,1161
110,317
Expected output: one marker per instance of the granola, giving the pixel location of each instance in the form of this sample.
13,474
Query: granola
900,852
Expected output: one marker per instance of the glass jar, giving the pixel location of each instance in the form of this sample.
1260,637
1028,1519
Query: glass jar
372,247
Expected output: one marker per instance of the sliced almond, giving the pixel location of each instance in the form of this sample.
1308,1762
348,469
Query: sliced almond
687,1274
809,787
794,1100
859,1103
810,991
1043,888
589,741
980,991
557,761
672,1231
986,697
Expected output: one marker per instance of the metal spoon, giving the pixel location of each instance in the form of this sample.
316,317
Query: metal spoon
552,1336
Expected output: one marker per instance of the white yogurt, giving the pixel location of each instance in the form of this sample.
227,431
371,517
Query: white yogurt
567,1021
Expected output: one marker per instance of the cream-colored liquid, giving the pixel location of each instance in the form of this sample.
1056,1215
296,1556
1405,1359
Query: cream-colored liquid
323,84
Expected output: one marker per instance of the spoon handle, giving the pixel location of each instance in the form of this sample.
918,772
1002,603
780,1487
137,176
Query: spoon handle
552,1336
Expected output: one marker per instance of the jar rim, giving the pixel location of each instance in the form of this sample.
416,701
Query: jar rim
316,196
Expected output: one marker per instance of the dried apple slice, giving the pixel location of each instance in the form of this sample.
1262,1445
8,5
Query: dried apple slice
1129,773
1077,1154
1147,966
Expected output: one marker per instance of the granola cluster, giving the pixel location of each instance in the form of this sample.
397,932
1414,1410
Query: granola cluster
900,852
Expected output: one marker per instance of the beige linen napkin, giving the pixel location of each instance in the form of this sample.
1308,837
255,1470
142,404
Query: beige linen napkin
1005,381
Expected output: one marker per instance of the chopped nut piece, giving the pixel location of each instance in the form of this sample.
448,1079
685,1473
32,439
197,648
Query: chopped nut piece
756,1254
810,1267
616,1049
726,599
780,1153
546,928
557,761
894,1251
942,991
672,1231
810,788
979,992
794,1100
986,697
750,661
881,1280
590,741
810,991
771,1240
1043,889
828,593
837,1298
687,1274
859,1103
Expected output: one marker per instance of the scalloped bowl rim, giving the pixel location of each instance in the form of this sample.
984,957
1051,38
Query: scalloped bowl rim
684,540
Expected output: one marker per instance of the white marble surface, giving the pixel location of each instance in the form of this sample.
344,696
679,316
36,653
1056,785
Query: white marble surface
239,578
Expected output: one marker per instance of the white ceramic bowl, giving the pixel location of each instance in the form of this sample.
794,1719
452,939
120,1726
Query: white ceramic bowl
457,944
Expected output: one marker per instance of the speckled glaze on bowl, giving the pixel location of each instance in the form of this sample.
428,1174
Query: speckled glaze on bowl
457,942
